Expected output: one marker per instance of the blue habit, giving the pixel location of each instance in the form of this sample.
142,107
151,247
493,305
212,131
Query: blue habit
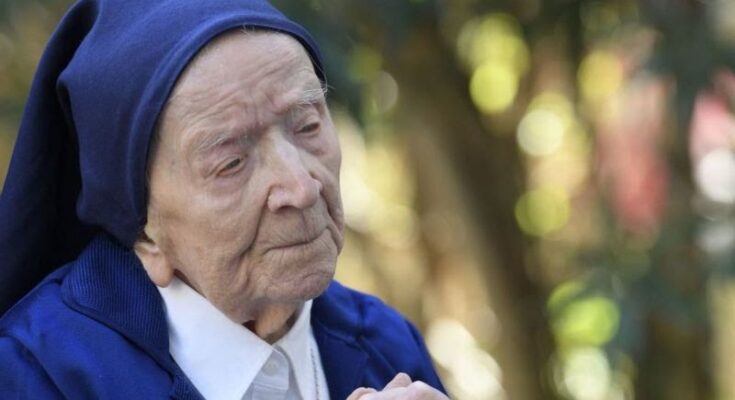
96,329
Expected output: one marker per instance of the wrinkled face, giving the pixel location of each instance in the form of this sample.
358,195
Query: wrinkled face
244,192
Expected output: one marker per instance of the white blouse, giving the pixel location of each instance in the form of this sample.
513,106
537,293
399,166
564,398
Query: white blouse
224,360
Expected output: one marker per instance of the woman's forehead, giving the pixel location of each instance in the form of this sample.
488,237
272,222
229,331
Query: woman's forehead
244,80
245,65
238,54
242,45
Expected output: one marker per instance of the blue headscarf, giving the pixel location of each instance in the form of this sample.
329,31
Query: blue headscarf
78,166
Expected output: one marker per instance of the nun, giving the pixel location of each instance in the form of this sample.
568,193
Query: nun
171,219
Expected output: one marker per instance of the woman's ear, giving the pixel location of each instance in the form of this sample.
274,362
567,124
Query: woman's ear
159,269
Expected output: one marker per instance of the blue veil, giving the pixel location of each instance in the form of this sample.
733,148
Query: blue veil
78,167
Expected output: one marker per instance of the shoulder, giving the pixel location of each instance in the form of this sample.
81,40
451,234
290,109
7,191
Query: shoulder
43,321
38,311
20,374
53,343
354,313
44,326
389,338
24,338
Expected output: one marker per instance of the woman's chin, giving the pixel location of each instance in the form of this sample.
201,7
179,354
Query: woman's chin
313,285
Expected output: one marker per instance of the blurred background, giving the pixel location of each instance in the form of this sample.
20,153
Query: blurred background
545,187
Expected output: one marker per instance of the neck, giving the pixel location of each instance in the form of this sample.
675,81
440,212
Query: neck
272,322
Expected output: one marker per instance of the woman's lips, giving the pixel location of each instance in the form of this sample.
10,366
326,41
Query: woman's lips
299,243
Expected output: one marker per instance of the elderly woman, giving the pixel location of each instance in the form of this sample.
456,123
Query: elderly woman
176,179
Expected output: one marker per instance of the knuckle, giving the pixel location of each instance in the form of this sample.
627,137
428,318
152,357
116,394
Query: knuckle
361,393
419,391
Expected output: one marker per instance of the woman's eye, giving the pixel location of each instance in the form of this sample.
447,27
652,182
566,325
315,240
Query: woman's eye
230,166
309,128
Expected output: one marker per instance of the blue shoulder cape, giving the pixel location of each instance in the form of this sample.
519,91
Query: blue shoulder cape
96,329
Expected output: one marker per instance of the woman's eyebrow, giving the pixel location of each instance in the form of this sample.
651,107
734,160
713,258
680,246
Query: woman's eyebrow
311,96
307,97
210,141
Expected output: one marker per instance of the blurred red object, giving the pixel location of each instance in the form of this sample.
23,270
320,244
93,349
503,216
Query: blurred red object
633,168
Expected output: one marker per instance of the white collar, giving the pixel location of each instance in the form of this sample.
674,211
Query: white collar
221,357
300,347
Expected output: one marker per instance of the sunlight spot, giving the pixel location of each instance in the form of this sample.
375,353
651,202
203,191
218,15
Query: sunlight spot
715,175
542,211
540,133
493,87
587,374
600,75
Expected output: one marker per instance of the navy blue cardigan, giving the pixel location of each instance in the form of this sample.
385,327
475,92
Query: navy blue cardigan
96,329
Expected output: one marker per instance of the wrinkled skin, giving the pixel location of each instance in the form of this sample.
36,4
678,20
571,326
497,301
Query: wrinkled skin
244,182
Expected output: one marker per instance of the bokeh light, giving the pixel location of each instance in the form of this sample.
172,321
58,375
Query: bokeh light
540,132
548,120
473,373
542,211
715,175
494,38
587,374
581,317
567,168
384,92
493,50
493,87
600,75
590,320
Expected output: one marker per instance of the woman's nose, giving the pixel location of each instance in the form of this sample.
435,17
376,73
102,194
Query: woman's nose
292,185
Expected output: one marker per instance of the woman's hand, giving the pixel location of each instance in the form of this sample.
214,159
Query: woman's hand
401,387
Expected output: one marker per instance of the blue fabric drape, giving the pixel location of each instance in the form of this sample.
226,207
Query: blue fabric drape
96,329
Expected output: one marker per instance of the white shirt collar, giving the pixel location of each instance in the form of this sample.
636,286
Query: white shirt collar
221,357
300,348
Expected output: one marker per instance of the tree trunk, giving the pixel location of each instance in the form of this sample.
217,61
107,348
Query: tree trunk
490,179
